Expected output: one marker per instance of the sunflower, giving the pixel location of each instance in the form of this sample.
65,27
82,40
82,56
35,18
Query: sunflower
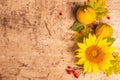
94,54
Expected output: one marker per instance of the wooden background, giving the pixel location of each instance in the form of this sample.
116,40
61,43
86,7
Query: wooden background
36,43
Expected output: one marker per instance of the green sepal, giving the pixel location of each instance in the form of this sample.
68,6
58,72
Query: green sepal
111,40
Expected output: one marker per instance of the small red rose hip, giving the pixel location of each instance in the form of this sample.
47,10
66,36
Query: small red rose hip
76,75
69,71
69,67
108,17
80,32
60,13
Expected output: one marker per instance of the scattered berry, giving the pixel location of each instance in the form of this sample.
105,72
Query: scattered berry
108,17
69,67
80,32
60,14
76,75
69,71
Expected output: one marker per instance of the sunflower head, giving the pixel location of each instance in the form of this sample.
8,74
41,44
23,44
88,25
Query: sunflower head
94,54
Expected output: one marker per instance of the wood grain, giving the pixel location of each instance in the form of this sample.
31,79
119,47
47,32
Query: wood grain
36,43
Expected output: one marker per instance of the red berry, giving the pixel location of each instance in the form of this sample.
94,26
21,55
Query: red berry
60,14
80,32
76,75
108,17
69,67
69,71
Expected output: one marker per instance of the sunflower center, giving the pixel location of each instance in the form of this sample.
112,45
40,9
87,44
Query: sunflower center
94,54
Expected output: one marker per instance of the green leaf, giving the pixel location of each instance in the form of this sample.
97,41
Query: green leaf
99,6
115,65
85,33
77,26
101,10
111,40
91,3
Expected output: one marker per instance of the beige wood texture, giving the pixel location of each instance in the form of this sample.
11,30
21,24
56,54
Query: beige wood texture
36,43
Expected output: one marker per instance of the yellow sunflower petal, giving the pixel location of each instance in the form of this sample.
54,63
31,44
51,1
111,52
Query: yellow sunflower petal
81,61
109,49
99,43
94,39
102,66
91,40
82,46
80,50
103,43
90,36
98,40
79,55
109,57
84,40
86,65
88,42
95,68
105,65
90,67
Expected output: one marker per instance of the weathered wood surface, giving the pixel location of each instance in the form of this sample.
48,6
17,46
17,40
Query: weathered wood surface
35,41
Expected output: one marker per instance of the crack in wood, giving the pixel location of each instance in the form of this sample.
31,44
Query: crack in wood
48,29
34,31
